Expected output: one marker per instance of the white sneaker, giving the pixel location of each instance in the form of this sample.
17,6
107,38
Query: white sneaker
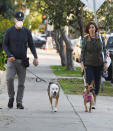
93,105
55,109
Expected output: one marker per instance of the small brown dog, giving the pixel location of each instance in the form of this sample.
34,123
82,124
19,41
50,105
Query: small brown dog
88,96
53,93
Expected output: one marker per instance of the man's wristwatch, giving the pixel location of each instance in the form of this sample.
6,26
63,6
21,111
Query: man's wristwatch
10,56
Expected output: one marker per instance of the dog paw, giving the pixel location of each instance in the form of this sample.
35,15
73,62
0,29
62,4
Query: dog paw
86,110
89,111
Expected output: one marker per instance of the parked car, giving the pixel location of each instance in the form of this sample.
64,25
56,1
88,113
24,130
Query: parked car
40,40
109,44
77,54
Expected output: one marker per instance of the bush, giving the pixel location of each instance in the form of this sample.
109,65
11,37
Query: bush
4,25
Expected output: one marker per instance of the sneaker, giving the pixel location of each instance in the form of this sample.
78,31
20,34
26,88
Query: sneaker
93,107
20,106
94,104
10,103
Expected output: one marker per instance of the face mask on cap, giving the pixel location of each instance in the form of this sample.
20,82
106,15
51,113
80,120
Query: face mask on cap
19,24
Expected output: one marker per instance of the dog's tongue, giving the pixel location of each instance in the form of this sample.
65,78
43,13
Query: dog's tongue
54,94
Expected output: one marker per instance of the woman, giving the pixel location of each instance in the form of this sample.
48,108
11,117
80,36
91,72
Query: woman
91,56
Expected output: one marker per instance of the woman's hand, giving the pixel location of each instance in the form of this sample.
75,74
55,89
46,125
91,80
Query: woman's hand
82,67
105,67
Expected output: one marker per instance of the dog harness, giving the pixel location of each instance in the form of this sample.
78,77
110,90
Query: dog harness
87,97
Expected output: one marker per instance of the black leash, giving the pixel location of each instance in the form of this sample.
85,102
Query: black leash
38,79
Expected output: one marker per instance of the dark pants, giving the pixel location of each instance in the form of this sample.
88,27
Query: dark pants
94,73
111,56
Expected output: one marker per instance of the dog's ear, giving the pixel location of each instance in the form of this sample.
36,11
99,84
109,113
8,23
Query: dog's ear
50,83
48,89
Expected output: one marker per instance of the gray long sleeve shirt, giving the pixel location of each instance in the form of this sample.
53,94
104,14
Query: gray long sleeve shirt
15,42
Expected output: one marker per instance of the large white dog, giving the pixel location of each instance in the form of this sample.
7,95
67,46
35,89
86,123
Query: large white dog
53,93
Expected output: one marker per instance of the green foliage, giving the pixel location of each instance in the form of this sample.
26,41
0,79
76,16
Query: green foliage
6,8
4,25
3,58
105,16
57,11
26,22
88,16
35,17
35,20
64,12
6,12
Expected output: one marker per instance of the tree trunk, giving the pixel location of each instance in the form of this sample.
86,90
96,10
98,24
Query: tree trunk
69,50
62,52
79,14
60,48
56,38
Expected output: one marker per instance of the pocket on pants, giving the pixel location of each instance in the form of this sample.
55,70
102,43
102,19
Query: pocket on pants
10,64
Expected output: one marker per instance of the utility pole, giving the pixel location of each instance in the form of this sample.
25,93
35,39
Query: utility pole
94,5
95,15
82,16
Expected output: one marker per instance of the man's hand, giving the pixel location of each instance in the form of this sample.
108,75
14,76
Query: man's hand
11,59
35,62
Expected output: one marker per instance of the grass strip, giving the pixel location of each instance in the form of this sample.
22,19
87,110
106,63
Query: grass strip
76,86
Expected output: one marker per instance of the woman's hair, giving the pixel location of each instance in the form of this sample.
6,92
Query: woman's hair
88,26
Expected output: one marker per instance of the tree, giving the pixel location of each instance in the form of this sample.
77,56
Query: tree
35,17
106,19
6,8
6,13
58,14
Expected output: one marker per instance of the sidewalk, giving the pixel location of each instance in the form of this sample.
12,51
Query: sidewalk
100,119
37,115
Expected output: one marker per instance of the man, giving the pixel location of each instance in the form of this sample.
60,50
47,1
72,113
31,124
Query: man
109,47
15,43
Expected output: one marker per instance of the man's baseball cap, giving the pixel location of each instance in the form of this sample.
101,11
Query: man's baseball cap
19,15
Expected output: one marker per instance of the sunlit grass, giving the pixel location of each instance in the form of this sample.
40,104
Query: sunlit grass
76,86
61,71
